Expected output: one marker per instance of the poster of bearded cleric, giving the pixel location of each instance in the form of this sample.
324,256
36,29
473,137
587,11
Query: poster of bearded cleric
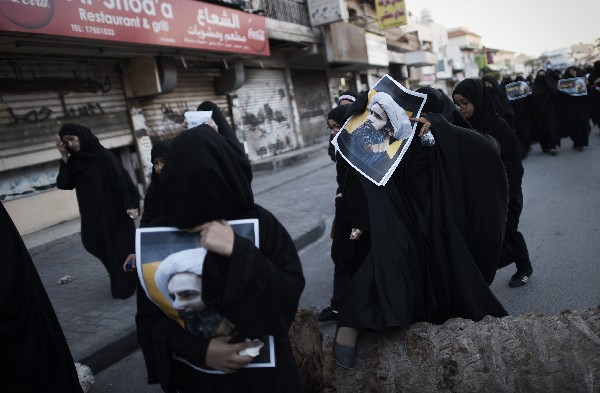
170,268
375,140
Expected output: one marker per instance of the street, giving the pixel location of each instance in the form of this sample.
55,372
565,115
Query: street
560,222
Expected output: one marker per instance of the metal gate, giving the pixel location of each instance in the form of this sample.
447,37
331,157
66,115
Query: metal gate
164,113
39,95
263,114
312,98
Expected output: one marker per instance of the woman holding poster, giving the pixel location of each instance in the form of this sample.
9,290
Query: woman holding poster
436,232
256,289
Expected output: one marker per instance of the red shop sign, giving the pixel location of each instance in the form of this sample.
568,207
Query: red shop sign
176,23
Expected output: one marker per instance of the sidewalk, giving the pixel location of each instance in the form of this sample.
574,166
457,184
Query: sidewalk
100,330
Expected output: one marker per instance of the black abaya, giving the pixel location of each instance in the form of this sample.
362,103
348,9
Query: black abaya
351,212
546,111
257,289
104,194
575,113
486,120
437,229
34,354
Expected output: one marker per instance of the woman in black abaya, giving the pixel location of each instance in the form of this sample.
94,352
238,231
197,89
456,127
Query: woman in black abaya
499,99
436,231
153,198
257,289
107,199
546,111
575,113
228,133
594,93
351,240
34,355
474,103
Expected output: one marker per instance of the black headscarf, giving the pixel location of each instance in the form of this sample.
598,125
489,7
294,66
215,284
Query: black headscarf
439,102
35,356
88,142
476,93
203,180
567,74
229,134
88,146
338,114
158,151
502,105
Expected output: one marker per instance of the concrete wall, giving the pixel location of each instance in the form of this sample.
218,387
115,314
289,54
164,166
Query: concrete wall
42,210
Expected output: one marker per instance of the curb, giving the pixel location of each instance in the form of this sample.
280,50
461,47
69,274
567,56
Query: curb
103,355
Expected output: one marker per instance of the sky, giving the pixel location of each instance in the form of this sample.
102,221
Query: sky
527,26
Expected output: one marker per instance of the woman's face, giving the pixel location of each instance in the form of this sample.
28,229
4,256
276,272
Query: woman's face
333,127
377,116
158,164
573,72
464,106
71,141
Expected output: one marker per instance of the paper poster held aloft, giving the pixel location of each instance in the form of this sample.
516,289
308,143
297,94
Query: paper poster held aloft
375,141
196,118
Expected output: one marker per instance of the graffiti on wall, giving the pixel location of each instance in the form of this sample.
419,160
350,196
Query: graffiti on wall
268,128
27,181
36,98
174,113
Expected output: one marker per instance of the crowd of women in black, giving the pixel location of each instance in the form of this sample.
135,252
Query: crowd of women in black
424,247
433,252
548,115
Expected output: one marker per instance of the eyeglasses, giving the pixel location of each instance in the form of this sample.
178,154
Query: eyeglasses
335,127
461,104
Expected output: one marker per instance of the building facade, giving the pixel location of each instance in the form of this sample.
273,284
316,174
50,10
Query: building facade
129,70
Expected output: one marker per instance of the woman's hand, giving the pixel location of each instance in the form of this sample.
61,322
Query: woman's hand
133,213
426,124
132,266
221,355
62,149
355,233
216,236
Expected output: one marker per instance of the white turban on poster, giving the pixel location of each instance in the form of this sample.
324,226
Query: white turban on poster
396,115
186,261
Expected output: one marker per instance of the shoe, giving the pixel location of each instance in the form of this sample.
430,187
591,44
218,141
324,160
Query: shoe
344,355
520,278
327,314
580,148
552,152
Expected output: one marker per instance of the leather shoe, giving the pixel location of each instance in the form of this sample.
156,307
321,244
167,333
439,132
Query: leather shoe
344,355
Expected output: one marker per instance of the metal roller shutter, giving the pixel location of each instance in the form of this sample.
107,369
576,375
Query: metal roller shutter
39,95
164,113
263,114
312,99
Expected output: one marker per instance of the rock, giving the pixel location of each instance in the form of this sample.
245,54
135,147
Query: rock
86,379
306,341
527,353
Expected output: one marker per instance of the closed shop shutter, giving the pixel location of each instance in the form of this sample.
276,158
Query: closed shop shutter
39,95
164,113
312,100
263,114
